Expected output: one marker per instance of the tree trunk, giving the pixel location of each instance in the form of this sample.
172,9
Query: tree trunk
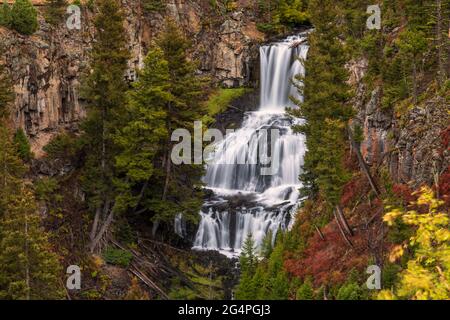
414,81
341,217
102,232
362,163
27,259
344,235
168,169
440,43
95,224
319,232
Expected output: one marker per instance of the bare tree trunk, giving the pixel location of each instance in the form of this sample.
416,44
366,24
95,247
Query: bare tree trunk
340,216
414,81
362,163
104,228
141,195
168,169
440,43
27,259
344,235
95,224
319,232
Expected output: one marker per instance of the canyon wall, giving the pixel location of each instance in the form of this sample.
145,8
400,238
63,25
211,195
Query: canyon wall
47,67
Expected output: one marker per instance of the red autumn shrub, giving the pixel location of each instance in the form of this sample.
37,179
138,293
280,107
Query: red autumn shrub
405,193
444,187
353,189
330,260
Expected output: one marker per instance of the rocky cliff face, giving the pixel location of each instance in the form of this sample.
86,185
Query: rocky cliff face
47,67
410,142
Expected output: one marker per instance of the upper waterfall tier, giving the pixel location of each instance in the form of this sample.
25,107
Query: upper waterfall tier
280,63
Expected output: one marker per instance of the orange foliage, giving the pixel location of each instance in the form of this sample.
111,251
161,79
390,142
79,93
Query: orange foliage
444,187
353,189
405,193
330,260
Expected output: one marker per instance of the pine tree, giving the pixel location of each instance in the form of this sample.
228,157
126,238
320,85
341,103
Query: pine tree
143,134
279,287
325,107
247,288
104,90
55,11
5,92
24,17
28,267
11,168
5,15
248,258
305,291
177,188
22,145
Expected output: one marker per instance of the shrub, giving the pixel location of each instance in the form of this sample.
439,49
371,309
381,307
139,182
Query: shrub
24,17
5,15
118,257
22,145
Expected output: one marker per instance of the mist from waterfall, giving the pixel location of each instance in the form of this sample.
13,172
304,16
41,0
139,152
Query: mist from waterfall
243,199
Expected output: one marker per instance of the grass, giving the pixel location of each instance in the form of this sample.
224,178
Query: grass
220,100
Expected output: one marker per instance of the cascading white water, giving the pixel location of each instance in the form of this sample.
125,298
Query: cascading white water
244,200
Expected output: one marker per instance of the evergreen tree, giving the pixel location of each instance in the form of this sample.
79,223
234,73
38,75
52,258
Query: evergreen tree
248,258
177,188
11,168
28,267
5,14
55,11
280,287
143,134
305,291
325,107
24,17
247,288
104,90
5,91
22,145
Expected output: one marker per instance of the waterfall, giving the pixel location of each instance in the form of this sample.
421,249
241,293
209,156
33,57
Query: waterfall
242,199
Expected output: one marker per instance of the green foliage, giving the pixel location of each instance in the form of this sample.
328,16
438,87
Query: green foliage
5,92
28,267
175,189
278,15
22,145
221,99
5,15
248,258
118,257
62,146
264,279
305,291
326,108
55,11
104,90
153,5
24,17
